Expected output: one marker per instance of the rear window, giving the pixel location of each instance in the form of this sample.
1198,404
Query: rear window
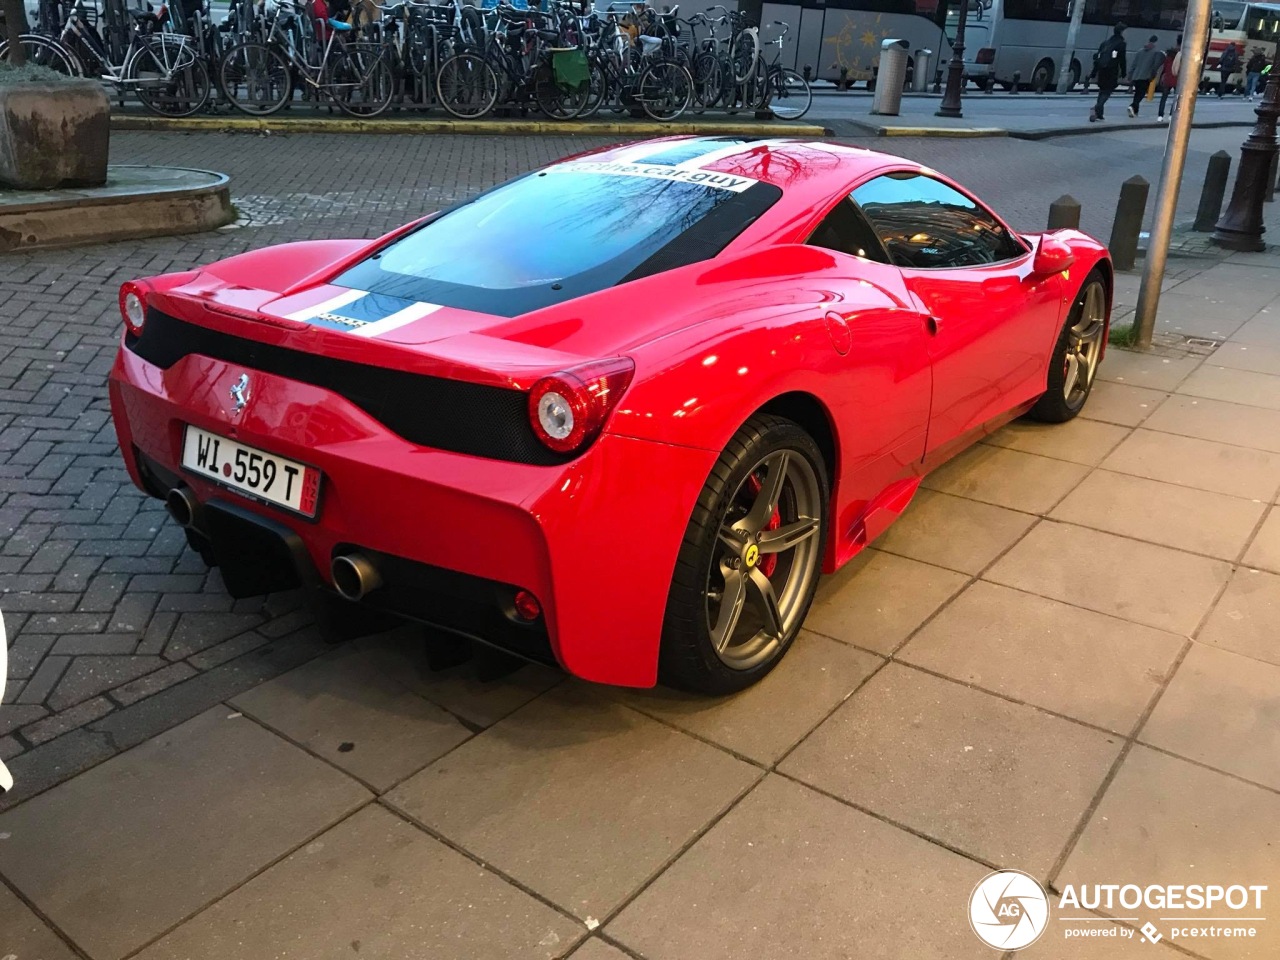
564,233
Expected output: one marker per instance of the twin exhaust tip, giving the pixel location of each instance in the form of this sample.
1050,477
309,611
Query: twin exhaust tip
354,576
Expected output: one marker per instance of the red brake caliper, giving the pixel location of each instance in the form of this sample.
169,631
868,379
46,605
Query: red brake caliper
768,562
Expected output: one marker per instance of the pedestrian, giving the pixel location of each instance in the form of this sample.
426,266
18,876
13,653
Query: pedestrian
1169,79
1109,67
1253,72
1228,64
1146,67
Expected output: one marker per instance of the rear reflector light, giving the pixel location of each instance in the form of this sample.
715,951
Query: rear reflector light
986,55
569,408
527,606
133,306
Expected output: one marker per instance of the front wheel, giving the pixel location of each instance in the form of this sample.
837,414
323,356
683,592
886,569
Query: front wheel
467,86
790,96
750,560
257,79
168,76
665,90
1076,355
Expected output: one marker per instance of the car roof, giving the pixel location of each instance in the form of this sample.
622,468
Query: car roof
787,163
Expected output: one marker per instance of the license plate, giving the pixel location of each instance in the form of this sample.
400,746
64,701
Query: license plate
256,473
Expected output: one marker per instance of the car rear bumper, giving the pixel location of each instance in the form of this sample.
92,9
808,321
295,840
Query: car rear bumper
453,536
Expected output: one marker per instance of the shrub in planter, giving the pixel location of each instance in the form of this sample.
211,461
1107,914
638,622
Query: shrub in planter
54,129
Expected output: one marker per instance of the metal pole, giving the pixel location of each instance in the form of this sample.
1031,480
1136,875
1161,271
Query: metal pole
955,69
1241,226
1069,51
1195,37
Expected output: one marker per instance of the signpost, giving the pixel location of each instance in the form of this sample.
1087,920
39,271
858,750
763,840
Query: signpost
1195,36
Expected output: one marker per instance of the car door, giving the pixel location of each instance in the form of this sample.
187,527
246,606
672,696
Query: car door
882,404
991,319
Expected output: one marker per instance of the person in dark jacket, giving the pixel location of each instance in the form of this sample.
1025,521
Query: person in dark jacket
1146,67
1228,64
1109,67
1253,72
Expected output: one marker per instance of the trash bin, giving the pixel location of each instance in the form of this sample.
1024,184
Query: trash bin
923,71
890,78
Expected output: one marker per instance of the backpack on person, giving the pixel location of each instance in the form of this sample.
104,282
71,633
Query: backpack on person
1107,59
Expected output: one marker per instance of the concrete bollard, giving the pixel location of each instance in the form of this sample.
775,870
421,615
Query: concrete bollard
1017,78
1064,213
1130,211
1271,179
1215,188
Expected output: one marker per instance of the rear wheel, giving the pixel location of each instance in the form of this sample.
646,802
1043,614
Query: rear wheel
1076,355
750,560
1042,76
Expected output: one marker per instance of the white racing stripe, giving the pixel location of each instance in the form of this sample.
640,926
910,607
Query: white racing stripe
415,311
706,178
733,149
327,306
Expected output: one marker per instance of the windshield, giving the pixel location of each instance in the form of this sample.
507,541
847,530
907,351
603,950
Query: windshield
562,233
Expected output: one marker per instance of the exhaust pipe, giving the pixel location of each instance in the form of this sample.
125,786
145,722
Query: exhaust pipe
355,576
183,507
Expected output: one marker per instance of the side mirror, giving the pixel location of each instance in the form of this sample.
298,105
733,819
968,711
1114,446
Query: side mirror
1052,256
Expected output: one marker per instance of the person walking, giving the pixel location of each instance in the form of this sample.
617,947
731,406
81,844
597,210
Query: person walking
1253,72
1109,67
1228,64
1146,67
1169,79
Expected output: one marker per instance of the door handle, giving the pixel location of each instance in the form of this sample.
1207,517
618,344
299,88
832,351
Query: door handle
932,324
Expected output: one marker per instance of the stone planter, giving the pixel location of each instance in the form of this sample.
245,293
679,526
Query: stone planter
53,134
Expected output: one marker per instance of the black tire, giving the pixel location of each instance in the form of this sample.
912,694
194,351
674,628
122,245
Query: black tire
1042,76
256,79
467,86
688,658
1060,402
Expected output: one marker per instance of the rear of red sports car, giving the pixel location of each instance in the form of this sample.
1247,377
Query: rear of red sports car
423,424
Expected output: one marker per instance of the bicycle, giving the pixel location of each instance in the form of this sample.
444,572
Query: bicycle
780,88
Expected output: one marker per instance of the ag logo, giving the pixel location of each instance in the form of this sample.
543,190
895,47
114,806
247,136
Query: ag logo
1008,910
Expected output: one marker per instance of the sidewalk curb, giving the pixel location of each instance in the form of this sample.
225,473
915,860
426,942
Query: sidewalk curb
1104,127
474,127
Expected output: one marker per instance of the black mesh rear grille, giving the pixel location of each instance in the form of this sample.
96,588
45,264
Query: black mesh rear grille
430,411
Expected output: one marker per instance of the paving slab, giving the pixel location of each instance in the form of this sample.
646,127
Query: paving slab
1264,552
374,886
791,873
1234,386
1261,331
543,794
1195,520
1007,478
1203,464
1079,440
193,813
401,656
1242,356
877,599
1223,710
954,532
23,935
1193,315
959,765
1141,582
1164,820
1233,423
1121,403
764,721
1094,668
346,710
1247,618
595,949
1140,369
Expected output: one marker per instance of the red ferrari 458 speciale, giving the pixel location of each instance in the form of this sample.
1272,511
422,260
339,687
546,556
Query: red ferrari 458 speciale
616,414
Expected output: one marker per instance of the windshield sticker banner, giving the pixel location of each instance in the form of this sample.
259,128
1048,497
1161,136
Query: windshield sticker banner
704,178
363,314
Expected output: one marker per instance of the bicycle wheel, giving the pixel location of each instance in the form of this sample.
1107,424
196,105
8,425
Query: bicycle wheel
744,54
467,86
708,81
359,80
598,90
472,25
665,90
257,79
167,75
790,95
44,52
556,100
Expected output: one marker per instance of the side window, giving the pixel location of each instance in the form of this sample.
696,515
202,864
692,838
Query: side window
846,230
926,224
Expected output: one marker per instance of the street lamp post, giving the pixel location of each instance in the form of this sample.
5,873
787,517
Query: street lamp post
1241,226
955,70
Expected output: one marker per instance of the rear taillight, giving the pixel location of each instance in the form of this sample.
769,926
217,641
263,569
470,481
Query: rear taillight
568,409
133,306
986,55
